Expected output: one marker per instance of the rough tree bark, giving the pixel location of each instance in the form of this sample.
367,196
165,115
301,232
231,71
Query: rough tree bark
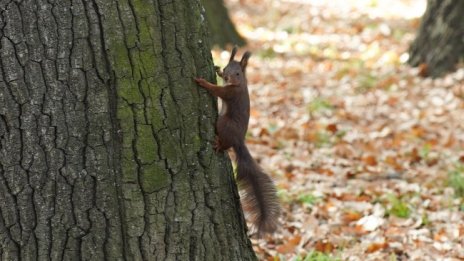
105,140
440,40
222,29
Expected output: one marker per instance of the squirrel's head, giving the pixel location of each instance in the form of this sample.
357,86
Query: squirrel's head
234,72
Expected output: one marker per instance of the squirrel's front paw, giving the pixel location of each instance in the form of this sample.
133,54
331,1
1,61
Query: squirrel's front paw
201,81
218,70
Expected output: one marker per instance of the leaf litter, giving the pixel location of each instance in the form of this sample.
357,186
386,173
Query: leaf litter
366,153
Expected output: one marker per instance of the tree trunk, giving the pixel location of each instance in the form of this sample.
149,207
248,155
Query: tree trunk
222,30
440,41
105,140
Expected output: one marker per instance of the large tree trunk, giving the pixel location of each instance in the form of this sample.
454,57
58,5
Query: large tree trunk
222,29
105,140
440,41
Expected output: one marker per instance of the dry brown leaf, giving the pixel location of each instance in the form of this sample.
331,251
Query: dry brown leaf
353,197
393,161
324,246
432,161
289,175
440,235
417,131
394,232
261,141
351,174
363,198
387,82
287,133
450,141
423,70
350,216
332,128
289,246
344,150
461,230
415,23
263,132
358,27
356,230
392,101
458,91
461,159
376,247
324,171
369,160
254,113
414,156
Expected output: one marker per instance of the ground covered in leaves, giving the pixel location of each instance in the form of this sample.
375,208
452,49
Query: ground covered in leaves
366,153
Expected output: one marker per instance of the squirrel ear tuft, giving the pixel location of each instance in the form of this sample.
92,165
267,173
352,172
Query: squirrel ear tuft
232,54
244,61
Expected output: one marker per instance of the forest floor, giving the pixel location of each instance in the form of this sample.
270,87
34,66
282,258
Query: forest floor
367,154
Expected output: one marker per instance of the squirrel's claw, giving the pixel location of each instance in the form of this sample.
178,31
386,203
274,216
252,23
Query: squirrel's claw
200,81
217,145
218,71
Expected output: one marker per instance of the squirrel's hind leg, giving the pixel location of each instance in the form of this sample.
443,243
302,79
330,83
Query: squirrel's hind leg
218,146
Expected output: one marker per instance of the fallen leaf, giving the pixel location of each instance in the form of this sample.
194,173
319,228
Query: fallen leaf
461,159
324,246
393,161
423,70
369,160
332,128
440,235
414,156
371,222
376,247
350,216
325,171
289,246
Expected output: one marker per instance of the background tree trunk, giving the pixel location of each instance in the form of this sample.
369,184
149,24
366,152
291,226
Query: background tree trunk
106,140
440,41
222,29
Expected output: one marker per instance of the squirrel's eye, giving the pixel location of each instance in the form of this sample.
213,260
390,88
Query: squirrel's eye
238,74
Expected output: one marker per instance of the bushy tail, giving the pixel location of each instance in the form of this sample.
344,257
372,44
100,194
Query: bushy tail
258,192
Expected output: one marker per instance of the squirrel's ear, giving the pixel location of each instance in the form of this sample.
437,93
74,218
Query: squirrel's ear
232,54
244,61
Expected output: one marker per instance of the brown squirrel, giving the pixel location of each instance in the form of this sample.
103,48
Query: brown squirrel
259,193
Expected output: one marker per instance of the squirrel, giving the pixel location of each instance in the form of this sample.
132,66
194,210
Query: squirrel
258,190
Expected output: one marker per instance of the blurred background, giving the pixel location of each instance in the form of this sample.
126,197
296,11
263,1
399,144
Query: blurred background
358,115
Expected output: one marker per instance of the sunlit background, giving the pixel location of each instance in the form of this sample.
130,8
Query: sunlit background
366,153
